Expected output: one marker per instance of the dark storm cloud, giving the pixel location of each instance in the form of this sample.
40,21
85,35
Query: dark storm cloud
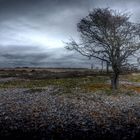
32,31
30,19
17,7
34,57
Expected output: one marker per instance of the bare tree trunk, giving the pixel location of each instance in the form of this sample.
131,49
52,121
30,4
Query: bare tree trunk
115,81
107,67
91,65
102,63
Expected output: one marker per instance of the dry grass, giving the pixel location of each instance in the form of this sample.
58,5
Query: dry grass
86,83
97,86
62,82
134,88
134,77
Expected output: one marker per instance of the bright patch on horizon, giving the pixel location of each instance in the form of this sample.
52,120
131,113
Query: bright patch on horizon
31,38
45,41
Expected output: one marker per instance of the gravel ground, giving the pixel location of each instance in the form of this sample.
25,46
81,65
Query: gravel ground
49,114
7,79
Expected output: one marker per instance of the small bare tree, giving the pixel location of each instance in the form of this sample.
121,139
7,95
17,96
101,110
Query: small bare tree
107,35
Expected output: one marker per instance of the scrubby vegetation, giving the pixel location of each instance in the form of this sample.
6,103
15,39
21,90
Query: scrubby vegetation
69,107
67,80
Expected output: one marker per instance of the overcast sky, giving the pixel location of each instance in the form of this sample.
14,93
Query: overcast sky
32,32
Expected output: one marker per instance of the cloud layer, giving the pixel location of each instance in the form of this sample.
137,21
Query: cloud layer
33,31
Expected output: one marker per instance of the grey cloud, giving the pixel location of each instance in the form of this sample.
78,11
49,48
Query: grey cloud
24,6
49,58
53,18
27,24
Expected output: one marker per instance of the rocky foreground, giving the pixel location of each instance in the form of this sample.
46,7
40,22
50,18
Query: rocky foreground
50,114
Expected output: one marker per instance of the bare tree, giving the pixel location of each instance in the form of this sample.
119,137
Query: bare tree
107,35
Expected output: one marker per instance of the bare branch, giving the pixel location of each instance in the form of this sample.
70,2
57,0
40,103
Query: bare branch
108,36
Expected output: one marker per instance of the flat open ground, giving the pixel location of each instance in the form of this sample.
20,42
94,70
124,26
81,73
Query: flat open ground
68,104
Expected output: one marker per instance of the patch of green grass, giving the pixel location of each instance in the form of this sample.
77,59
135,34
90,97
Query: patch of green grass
135,79
66,83
132,77
69,86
